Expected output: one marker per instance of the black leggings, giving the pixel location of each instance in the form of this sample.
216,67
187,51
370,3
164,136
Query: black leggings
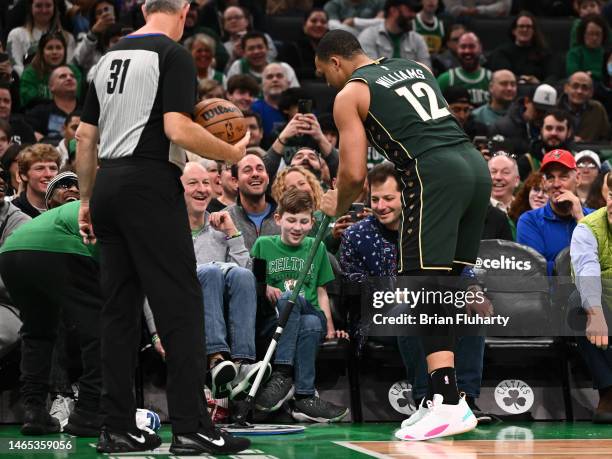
43,286
439,337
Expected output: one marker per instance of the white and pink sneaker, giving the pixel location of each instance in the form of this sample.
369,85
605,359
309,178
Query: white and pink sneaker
417,415
438,420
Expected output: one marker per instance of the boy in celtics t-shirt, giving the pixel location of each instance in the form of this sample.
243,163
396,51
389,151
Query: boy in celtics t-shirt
310,319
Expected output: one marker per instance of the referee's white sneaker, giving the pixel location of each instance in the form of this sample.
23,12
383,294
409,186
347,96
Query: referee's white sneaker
440,420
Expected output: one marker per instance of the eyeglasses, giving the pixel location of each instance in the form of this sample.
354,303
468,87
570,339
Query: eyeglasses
67,185
584,87
524,26
587,166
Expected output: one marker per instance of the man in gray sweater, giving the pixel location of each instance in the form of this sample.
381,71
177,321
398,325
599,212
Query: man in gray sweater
224,272
253,211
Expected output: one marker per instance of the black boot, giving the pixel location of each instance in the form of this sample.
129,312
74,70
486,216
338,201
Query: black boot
37,421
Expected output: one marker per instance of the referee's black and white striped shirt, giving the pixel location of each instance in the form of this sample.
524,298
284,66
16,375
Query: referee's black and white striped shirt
135,83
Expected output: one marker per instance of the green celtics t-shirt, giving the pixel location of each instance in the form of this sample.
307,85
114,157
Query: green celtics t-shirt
432,33
56,230
284,263
476,83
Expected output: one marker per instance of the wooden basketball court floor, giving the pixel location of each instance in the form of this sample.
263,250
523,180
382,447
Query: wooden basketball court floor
362,441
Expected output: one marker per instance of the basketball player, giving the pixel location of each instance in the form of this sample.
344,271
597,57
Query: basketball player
139,106
397,105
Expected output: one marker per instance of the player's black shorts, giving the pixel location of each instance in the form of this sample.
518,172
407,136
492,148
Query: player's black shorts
445,195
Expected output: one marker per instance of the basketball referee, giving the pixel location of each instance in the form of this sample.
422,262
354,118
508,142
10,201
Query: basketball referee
138,108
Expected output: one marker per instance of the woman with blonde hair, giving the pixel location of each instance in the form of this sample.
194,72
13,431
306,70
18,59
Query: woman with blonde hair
302,179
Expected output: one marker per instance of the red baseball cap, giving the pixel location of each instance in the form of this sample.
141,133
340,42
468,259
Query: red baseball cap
563,157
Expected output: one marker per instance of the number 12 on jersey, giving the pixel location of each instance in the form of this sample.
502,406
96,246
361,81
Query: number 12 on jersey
118,71
415,92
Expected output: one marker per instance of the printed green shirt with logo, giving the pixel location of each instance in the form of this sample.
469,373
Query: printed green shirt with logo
284,263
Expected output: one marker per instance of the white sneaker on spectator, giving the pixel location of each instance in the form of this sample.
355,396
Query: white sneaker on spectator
61,408
440,420
247,372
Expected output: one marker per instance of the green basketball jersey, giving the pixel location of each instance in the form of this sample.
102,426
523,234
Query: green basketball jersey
407,116
432,34
477,83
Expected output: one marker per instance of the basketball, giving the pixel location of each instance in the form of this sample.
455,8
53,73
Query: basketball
221,118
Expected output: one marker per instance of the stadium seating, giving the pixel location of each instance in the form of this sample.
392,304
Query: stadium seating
285,28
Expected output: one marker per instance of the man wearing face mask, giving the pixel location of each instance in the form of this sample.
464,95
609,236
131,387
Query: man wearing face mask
395,37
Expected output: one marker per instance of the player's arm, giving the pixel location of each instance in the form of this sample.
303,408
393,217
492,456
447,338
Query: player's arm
185,133
350,107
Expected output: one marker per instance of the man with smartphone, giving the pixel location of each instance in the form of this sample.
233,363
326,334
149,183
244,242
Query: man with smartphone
302,132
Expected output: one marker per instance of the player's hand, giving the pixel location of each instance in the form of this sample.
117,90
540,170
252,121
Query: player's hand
349,22
273,294
597,328
85,226
222,221
329,203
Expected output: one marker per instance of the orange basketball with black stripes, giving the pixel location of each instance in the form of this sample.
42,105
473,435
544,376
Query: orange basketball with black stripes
221,118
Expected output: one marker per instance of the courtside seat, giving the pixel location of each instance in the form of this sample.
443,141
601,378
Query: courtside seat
517,284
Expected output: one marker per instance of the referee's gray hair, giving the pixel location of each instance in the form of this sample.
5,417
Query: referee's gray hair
164,6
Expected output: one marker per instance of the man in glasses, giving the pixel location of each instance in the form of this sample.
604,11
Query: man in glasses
549,229
589,165
62,189
591,122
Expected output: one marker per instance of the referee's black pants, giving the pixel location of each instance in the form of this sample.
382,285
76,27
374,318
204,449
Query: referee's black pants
140,219
41,284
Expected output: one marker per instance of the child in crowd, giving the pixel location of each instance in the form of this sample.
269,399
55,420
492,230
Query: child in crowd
309,321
